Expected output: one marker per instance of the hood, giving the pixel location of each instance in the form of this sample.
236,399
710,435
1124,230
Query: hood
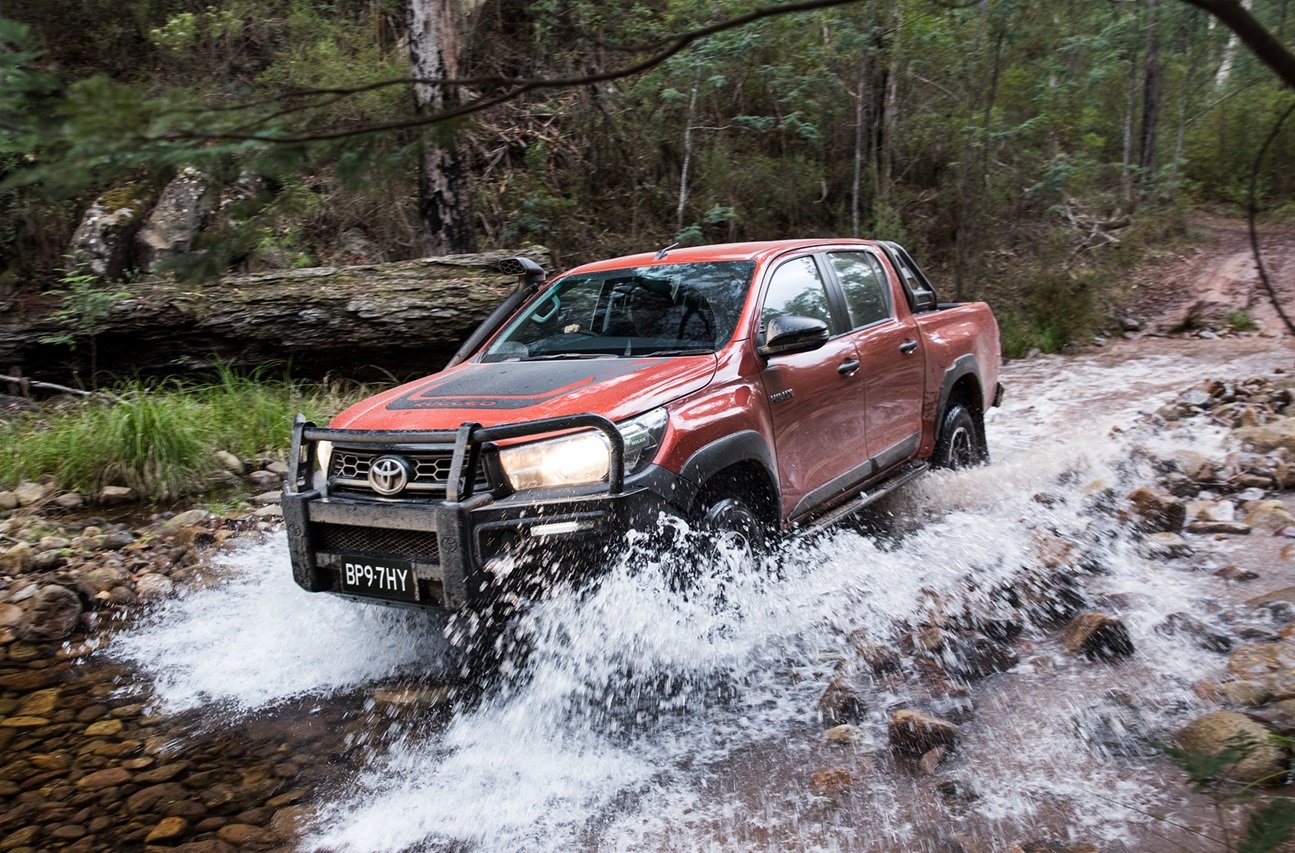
513,391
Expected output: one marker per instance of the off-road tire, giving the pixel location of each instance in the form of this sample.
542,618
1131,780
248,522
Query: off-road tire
961,441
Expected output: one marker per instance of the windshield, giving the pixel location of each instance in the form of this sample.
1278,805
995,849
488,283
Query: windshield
673,309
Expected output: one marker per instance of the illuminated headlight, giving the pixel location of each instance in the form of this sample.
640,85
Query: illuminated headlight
323,455
582,457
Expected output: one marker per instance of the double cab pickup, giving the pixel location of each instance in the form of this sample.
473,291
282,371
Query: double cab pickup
750,388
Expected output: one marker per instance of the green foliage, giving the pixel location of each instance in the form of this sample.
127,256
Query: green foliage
1271,824
84,305
160,439
1241,321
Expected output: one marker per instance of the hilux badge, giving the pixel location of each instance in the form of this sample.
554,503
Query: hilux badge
388,475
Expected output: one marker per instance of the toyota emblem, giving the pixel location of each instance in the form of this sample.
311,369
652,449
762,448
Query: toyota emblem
388,475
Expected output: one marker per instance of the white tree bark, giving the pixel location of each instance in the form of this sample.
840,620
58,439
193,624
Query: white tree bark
1230,52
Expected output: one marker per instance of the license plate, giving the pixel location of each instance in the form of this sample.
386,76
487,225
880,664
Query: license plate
381,578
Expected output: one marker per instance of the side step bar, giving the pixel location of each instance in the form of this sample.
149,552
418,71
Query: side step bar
904,475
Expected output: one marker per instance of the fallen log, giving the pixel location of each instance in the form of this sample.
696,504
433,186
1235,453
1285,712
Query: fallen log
402,319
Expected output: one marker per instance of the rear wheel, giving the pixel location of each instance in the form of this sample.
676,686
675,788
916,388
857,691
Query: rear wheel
961,442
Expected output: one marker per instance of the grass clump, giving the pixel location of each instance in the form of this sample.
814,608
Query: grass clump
161,439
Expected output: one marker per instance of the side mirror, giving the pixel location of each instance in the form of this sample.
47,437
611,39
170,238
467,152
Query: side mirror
793,334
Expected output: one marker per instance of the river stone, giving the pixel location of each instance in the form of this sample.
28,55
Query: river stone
1156,512
1208,528
240,834
32,493
16,559
1165,546
1097,636
1256,660
21,838
110,495
845,733
1269,515
168,829
39,704
841,703
117,540
153,586
10,615
104,578
184,519
8,500
47,561
149,799
268,498
914,733
230,462
69,500
263,479
831,782
104,728
413,697
109,777
24,722
1218,730
277,467
52,615
1270,436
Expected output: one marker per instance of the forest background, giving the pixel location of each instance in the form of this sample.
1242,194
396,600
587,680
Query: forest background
1028,152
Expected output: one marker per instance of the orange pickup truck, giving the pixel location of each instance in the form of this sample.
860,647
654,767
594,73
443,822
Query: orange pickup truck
750,388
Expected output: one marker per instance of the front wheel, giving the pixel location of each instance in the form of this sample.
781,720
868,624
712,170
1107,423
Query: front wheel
961,442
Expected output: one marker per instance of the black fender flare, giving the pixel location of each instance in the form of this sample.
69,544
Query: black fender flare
743,446
963,365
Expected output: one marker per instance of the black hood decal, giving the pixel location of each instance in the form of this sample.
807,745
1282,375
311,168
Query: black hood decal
513,384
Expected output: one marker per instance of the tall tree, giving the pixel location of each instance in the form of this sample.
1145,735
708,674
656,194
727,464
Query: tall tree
444,198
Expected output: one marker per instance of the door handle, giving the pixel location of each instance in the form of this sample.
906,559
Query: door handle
845,368
908,347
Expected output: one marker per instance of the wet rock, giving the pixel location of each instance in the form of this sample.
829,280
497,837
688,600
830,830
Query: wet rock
1097,636
110,495
1201,635
1257,660
117,540
150,799
152,586
1269,515
30,494
414,698
168,829
24,722
277,468
841,703
1165,546
16,560
1279,434
104,728
1115,726
1220,730
267,498
47,561
831,782
931,761
181,520
109,777
1280,716
103,578
1229,528
52,614
1154,512
914,733
24,837
241,834
10,615
268,512
979,657
1244,693
844,734
1051,847
39,704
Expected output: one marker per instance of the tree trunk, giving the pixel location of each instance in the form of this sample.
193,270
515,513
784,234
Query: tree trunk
444,200
1150,101
687,160
401,319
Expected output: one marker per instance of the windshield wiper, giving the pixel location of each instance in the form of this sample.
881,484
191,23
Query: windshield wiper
552,356
691,351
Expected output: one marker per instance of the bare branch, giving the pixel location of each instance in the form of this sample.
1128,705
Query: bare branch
513,87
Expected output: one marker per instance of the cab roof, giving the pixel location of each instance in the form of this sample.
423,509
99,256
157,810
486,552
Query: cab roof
753,251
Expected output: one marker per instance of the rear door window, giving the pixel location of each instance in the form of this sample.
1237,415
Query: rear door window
864,285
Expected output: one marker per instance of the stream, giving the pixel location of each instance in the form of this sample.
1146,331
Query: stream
640,719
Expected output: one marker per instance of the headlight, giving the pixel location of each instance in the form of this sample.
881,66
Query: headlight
582,457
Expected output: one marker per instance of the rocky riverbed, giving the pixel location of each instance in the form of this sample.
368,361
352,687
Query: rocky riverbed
1022,638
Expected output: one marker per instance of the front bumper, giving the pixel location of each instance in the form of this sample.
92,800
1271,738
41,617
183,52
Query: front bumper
464,548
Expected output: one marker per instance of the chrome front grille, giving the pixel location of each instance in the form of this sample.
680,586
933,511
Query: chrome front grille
349,471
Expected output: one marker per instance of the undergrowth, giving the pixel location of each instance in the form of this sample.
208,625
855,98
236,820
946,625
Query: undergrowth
160,438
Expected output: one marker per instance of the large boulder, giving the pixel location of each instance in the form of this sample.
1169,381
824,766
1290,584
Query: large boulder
101,243
914,733
175,220
1260,757
1270,436
1097,636
52,614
